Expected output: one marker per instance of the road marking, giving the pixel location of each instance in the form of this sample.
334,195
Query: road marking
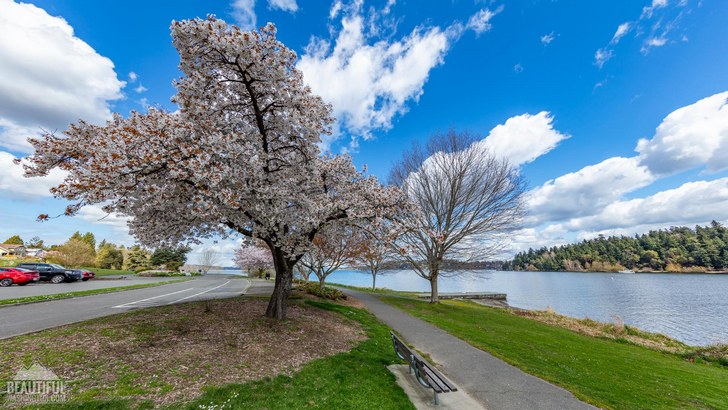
198,294
125,305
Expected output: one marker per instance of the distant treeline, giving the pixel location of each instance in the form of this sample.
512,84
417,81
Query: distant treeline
678,249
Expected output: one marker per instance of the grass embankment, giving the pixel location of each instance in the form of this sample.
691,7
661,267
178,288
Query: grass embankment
378,291
106,272
44,298
606,372
186,357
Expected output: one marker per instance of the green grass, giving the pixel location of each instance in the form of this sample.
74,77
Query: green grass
354,380
378,291
604,372
357,379
105,272
43,298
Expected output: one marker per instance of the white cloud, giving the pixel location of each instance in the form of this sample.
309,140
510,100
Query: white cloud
602,55
653,42
587,191
518,68
133,76
285,5
56,77
546,39
369,80
244,14
13,183
480,21
692,136
647,11
524,138
96,215
140,89
622,30
692,203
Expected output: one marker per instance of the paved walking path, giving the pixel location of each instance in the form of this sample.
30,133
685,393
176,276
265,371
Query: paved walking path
490,381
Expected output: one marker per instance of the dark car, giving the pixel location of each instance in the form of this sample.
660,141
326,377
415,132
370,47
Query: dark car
18,276
53,273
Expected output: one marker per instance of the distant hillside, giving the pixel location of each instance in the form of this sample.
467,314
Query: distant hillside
673,250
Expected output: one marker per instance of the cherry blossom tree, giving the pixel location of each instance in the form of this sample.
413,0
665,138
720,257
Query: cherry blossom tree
465,198
240,156
333,247
375,249
253,258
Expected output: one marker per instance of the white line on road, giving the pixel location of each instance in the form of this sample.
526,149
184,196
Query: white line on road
125,305
198,294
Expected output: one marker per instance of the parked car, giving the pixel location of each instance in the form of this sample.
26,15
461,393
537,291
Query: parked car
53,272
18,276
87,274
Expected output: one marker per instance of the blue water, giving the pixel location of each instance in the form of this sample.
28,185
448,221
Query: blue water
692,308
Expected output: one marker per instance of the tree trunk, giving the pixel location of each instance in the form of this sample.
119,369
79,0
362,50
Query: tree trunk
433,288
278,303
321,278
374,281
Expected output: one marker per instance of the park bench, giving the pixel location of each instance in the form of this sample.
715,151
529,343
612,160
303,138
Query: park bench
425,374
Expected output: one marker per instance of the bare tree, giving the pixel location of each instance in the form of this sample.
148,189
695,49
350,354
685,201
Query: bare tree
208,258
465,198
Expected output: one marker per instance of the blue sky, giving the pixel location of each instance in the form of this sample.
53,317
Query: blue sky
573,85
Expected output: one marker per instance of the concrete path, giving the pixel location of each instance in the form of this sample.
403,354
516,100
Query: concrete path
490,381
21,319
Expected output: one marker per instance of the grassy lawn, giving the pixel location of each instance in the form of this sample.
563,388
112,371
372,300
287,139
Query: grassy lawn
378,291
608,373
43,298
140,357
105,272
354,380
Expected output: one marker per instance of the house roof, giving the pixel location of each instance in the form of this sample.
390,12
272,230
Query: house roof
10,247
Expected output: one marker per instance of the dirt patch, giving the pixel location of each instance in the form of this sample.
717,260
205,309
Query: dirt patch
169,354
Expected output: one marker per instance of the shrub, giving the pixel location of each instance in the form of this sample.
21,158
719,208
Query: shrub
325,292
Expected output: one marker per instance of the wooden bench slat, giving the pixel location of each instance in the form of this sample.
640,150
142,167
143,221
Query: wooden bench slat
428,375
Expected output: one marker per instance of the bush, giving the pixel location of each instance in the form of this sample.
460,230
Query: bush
325,292
159,274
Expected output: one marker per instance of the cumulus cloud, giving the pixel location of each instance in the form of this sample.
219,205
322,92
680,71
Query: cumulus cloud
696,202
96,215
56,77
692,136
587,191
369,80
524,138
14,184
592,201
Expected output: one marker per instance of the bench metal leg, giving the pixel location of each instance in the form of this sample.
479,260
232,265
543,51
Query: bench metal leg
437,401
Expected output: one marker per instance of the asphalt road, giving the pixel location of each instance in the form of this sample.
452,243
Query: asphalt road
47,288
22,319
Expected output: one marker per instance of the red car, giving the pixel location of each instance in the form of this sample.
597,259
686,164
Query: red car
87,274
19,276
